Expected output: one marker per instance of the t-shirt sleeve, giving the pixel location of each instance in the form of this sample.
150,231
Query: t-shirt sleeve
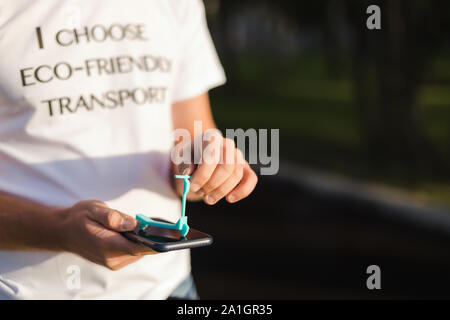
199,68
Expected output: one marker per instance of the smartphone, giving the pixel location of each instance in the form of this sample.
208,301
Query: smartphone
164,240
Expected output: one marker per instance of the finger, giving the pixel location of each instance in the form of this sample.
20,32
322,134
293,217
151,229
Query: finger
111,243
116,260
120,262
210,158
224,170
219,176
185,169
184,152
245,187
226,187
112,219
119,244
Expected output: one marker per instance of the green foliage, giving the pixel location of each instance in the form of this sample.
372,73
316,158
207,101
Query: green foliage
318,117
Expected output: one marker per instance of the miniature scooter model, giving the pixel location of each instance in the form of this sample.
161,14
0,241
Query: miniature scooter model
181,225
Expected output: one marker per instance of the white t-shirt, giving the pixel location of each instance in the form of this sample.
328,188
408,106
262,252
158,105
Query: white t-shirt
86,89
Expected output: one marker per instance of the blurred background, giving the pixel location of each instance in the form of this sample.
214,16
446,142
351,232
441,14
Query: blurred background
364,119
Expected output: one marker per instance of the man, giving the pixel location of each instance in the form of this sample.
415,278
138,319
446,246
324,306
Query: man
90,92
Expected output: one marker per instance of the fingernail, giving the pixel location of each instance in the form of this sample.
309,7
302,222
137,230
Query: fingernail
184,168
201,192
231,198
127,224
195,187
209,199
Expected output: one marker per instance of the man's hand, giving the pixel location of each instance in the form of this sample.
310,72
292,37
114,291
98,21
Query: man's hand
91,230
223,172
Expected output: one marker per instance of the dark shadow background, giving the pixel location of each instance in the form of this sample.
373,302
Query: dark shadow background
370,108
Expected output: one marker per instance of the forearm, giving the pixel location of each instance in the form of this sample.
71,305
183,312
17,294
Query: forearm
27,225
184,115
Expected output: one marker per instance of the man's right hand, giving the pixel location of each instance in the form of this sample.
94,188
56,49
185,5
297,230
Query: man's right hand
91,230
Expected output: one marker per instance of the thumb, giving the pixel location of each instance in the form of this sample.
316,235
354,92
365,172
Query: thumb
113,219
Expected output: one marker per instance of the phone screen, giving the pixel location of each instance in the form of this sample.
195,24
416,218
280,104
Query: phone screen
163,239
162,235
